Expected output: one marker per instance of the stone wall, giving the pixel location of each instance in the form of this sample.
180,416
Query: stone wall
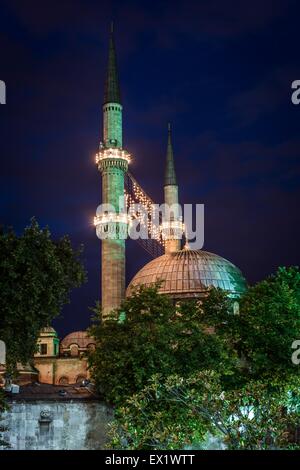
54,370
68,425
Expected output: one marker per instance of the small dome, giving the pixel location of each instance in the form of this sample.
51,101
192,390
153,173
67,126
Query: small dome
48,331
81,338
190,273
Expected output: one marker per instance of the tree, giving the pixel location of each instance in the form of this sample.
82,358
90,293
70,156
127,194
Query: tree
267,325
148,335
180,413
255,404
36,277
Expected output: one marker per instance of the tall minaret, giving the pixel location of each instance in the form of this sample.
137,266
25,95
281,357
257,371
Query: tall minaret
174,225
112,160
112,108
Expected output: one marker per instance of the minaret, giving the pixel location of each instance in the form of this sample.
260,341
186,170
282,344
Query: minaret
112,108
173,227
112,160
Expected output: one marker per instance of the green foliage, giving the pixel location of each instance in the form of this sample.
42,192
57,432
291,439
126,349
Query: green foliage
266,326
154,336
179,413
164,414
36,276
213,371
263,415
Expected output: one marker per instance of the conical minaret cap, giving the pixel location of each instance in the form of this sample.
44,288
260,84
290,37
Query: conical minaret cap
112,89
170,175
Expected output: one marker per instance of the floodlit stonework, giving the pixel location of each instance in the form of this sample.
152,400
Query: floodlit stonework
112,167
61,370
40,419
65,362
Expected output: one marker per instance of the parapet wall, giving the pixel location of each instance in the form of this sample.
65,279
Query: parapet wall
68,425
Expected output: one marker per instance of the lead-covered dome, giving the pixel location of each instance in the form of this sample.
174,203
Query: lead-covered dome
190,273
79,338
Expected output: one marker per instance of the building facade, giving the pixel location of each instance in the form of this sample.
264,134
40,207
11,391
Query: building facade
62,362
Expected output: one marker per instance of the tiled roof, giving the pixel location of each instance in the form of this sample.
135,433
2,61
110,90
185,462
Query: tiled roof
39,391
190,273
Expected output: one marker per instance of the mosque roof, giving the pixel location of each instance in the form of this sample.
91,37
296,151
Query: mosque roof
81,338
190,273
48,331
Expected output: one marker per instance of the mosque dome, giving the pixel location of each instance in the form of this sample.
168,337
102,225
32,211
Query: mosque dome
48,330
190,273
79,338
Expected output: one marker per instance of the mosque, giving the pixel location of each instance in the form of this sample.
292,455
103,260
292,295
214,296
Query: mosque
183,273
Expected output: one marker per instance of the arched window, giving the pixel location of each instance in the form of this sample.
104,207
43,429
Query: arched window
74,349
63,380
80,379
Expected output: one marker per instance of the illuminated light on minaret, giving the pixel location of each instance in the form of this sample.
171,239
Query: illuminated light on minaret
112,161
173,228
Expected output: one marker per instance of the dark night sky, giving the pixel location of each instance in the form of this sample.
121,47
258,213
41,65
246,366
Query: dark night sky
220,71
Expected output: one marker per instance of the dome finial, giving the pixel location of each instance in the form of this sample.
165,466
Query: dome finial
186,245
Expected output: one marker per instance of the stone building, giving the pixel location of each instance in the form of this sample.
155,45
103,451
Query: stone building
27,374
56,362
56,409
62,363
49,417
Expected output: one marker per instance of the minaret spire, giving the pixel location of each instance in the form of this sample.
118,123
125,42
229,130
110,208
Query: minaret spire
170,175
112,89
172,226
112,107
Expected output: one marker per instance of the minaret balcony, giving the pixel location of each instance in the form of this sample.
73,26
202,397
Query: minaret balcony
111,225
172,230
112,157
